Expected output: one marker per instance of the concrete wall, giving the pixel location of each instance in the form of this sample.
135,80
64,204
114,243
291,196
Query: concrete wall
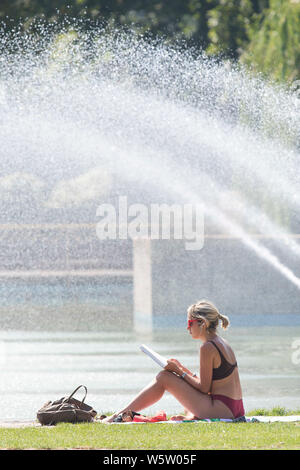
226,272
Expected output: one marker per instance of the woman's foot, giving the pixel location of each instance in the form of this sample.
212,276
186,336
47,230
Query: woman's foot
177,418
109,419
188,416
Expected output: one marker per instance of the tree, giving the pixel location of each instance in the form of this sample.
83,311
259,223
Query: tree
228,23
274,47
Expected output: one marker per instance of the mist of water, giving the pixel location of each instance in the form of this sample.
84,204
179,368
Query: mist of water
84,113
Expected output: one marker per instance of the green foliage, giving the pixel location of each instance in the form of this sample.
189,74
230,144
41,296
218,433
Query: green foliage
264,33
274,47
228,23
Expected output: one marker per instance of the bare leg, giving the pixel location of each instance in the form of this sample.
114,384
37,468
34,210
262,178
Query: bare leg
196,403
149,395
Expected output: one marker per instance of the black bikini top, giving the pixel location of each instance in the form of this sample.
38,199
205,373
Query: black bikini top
224,369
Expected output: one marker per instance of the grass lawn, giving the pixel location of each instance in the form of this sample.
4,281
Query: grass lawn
187,436
155,436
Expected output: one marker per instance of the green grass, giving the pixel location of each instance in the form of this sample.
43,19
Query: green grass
188,436
276,411
149,436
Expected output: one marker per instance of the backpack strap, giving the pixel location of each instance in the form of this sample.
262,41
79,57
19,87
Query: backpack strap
73,393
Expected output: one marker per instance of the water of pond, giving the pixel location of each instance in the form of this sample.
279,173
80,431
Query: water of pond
41,366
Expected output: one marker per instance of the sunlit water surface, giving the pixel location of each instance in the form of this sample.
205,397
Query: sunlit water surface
41,366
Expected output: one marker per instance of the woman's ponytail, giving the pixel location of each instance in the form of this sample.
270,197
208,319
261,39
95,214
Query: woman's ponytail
207,311
224,320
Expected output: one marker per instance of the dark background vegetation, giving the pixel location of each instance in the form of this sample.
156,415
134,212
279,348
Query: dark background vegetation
264,34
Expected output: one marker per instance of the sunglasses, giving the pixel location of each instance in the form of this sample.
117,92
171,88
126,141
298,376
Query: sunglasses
190,322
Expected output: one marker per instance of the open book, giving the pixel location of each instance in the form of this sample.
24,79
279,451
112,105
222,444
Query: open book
160,360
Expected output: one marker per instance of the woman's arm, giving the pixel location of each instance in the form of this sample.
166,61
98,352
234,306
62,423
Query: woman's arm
203,384
181,367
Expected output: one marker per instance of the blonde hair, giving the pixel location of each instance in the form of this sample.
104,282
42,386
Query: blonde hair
207,311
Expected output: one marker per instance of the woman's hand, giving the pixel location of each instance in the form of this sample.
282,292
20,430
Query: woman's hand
174,366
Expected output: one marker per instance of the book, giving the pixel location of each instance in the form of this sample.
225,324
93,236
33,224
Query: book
160,360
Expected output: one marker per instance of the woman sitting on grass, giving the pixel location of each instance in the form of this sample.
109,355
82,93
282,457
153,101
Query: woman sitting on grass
217,392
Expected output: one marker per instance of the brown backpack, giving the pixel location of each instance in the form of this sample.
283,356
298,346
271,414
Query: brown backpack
66,410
